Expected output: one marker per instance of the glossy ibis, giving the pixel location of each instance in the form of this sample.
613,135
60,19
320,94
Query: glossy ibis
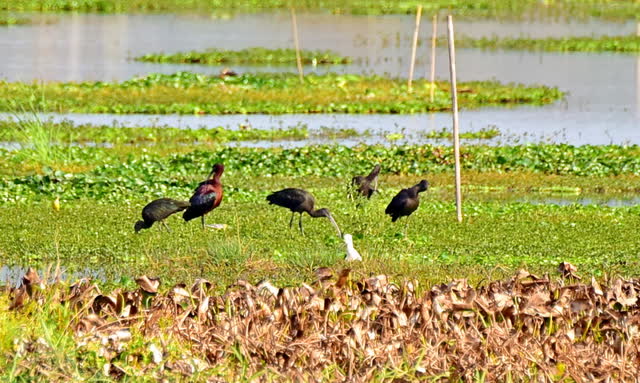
157,211
365,185
300,201
352,253
406,202
207,196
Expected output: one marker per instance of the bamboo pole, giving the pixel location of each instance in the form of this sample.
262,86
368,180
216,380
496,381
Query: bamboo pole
432,78
454,99
414,46
294,25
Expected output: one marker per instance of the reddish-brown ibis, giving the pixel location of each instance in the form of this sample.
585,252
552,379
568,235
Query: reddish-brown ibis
406,202
207,196
300,201
366,185
157,211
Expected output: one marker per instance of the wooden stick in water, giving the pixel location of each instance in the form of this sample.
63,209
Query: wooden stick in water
454,106
414,46
432,78
296,43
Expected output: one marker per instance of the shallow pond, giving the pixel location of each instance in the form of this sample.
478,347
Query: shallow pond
603,105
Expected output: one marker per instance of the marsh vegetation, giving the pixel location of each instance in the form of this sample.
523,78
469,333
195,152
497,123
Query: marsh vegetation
256,56
191,93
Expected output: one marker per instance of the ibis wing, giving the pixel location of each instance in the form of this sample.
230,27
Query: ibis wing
203,199
287,197
397,204
162,208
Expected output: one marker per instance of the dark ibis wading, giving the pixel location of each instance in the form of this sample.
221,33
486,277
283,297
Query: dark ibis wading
158,210
366,185
406,201
206,197
300,201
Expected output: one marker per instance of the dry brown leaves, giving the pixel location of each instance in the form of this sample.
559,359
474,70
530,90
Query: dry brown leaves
525,327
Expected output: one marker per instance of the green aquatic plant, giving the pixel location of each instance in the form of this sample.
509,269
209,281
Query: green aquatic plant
482,134
623,44
190,93
117,178
7,20
247,56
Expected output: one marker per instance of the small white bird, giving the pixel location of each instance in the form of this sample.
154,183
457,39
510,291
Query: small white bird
352,253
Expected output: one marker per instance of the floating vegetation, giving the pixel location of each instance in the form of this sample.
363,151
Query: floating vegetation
482,134
624,44
619,9
117,179
262,56
9,20
341,327
190,93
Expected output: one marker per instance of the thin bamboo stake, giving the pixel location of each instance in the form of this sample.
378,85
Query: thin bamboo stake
434,32
296,43
456,131
414,47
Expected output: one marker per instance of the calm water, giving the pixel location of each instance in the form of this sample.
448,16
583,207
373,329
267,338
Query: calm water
603,105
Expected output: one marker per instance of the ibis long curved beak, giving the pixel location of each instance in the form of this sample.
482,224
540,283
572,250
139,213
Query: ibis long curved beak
333,222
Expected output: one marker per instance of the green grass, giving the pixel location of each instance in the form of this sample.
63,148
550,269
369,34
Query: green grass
92,236
262,56
43,143
623,44
189,93
611,9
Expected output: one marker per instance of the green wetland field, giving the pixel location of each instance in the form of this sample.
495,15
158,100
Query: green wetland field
102,191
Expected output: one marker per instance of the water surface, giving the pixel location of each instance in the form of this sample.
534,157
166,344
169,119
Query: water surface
602,107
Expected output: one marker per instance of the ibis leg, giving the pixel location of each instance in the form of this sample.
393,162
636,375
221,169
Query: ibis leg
291,221
203,225
166,226
300,223
406,226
